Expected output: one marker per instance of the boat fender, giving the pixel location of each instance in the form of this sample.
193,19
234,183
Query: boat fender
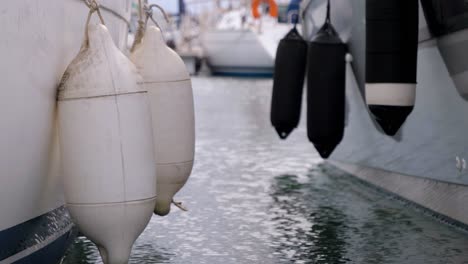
391,60
448,22
288,83
326,83
450,47
106,140
170,91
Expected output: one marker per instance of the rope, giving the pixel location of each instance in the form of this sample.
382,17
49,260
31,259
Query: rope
105,8
140,11
140,33
149,14
110,10
142,24
93,7
162,11
180,206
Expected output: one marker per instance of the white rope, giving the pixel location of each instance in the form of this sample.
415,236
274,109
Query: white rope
162,11
93,7
140,10
110,10
140,33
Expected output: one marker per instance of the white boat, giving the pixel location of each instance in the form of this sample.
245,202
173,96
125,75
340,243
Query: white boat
235,47
39,39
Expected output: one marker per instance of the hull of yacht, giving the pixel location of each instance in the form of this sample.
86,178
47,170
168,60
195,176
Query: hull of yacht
424,161
236,52
39,39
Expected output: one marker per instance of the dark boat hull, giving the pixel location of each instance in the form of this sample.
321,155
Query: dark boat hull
420,162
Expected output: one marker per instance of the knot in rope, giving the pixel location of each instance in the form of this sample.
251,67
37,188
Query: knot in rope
142,23
94,6
148,11
138,35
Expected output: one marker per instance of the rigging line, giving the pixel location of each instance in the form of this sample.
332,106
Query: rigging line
110,10
140,32
140,10
93,6
166,17
149,14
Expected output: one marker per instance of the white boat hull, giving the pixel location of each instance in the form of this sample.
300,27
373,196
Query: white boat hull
39,40
236,51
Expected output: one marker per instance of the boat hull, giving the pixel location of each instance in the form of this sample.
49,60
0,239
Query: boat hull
236,52
43,239
419,163
39,41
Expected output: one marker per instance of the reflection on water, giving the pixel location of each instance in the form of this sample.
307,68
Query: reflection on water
256,199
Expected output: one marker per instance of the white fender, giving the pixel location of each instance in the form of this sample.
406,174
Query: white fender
106,146
171,98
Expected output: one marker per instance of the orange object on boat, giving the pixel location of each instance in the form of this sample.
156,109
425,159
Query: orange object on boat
273,7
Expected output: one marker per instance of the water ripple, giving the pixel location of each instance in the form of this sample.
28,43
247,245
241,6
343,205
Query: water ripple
256,199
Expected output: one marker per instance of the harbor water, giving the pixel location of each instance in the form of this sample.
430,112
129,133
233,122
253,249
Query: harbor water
253,198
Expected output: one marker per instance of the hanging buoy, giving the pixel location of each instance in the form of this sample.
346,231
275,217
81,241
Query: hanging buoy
170,91
106,145
446,21
290,65
391,60
326,89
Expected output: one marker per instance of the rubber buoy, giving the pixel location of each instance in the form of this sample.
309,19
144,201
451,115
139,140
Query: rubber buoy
290,65
391,60
106,140
170,91
447,21
326,82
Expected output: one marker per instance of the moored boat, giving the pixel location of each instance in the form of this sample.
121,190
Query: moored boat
40,40
425,162
243,45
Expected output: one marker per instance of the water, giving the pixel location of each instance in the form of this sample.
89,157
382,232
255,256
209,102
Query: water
256,199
